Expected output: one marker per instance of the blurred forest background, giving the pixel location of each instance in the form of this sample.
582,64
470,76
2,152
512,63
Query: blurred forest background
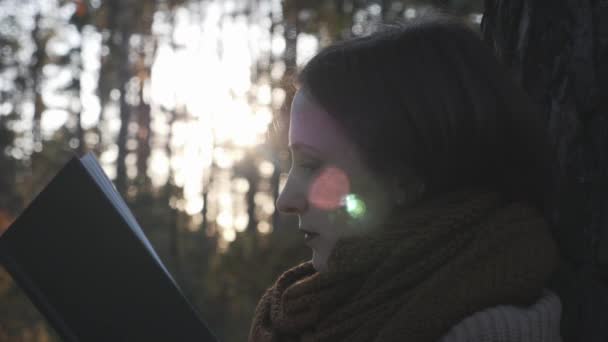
185,103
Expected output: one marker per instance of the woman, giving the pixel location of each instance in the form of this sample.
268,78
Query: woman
419,178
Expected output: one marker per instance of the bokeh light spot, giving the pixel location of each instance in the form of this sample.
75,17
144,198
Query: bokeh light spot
329,188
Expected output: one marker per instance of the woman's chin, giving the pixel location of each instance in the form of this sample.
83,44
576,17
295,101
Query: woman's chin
318,262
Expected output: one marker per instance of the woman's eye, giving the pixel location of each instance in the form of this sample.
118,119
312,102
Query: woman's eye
309,166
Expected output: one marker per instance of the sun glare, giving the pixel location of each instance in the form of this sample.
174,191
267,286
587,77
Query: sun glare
206,114
213,89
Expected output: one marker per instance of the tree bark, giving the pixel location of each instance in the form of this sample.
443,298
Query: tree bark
557,50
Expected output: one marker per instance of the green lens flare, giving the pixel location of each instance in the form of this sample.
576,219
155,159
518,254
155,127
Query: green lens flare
355,206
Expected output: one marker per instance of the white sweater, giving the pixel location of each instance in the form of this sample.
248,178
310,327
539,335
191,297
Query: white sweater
507,323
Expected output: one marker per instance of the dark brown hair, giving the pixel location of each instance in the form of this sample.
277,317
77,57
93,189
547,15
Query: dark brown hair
432,97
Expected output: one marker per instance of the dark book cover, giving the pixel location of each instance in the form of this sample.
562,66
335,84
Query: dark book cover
79,255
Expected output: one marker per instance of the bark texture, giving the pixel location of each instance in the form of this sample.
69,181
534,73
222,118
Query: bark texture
558,50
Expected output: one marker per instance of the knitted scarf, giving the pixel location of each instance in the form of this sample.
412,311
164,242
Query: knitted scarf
411,280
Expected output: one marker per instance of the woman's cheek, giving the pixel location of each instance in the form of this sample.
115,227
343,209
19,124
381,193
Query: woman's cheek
329,188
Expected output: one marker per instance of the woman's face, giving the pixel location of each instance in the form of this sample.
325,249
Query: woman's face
329,187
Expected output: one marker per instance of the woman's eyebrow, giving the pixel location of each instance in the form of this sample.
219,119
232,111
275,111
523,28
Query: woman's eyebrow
306,149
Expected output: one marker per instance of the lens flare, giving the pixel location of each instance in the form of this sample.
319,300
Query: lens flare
328,189
354,206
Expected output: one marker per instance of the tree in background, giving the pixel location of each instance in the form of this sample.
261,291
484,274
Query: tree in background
558,51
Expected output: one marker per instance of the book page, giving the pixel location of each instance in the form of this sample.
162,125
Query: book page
92,165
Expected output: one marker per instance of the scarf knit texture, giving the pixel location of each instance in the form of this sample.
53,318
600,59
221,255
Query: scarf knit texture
416,277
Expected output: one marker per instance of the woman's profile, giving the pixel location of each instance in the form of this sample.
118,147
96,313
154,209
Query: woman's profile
419,176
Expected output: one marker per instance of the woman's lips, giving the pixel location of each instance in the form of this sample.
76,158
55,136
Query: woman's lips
308,235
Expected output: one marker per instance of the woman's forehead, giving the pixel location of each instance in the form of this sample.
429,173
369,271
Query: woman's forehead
311,125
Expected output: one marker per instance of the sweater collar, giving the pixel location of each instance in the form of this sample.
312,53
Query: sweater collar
539,322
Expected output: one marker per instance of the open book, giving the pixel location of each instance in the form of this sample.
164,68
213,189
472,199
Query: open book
81,257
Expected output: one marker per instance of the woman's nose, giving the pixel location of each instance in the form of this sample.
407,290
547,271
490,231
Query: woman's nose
291,202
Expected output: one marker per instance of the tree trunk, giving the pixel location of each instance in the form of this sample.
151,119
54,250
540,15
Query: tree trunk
38,61
124,75
171,192
250,171
144,132
555,49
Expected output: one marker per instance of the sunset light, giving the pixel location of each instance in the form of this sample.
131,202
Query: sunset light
227,114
